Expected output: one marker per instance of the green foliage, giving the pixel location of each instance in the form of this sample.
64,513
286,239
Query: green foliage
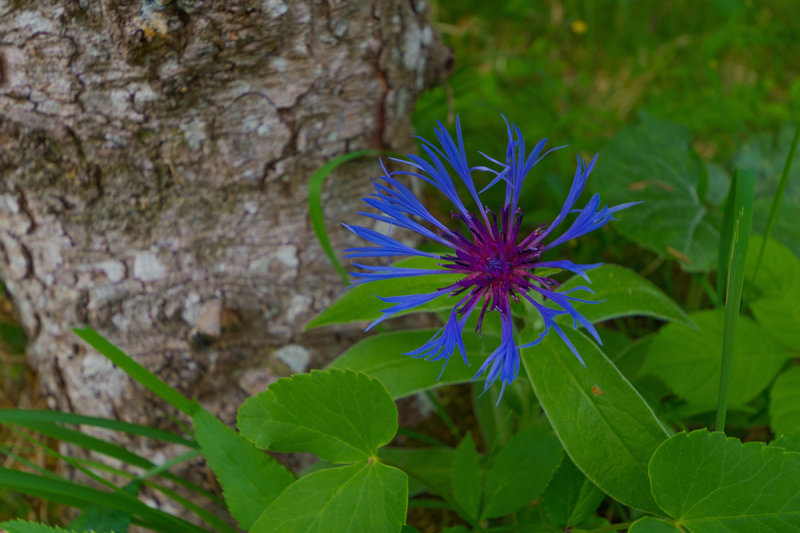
604,425
710,483
653,162
366,496
21,526
622,292
688,360
360,303
250,479
520,471
338,416
467,483
383,356
784,404
775,291
570,498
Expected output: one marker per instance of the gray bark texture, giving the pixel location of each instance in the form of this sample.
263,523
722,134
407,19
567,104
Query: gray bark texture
153,165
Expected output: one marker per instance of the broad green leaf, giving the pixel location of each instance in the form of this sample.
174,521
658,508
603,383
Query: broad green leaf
250,479
784,403
383,356
790,442
765,154
467,479
605,426
648,524
367,496
711,483
653,162
361,303
338,416
688,360
457,529
520,471
428,468
21,526
775,291
570,498
623,292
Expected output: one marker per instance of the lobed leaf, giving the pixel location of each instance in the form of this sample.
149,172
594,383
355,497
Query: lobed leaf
359,497
711,483
338,416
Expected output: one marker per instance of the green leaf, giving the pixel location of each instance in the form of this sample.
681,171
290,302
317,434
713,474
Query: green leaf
137,371
250,479
338,416
467,479
101,519
605,426
648,524
520,471
570,498
784,403
765,154
361,303
21,526
359,497
711,483
383,356
653,162
790,442
428,468
623,292
688,360
776,291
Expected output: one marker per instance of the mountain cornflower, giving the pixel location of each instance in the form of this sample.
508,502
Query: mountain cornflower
498,263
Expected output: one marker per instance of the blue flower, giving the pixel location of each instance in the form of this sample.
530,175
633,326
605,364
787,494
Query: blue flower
498,264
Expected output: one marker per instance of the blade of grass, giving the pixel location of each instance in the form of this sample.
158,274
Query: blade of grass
440,410
137,371
776,202
35,415
315,204
106,448
75,495
208,517
740,224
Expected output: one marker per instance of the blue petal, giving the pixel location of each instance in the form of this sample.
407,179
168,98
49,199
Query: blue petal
386,245
445,341
392,272
503,363
569,266
405,303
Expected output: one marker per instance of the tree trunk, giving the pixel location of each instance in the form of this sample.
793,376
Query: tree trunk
154,162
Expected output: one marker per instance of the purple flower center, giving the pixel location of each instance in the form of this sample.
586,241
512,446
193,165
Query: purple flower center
496,268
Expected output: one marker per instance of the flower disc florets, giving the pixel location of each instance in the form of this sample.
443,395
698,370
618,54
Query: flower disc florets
498,264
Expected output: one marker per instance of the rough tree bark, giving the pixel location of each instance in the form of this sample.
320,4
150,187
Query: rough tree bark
154,162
